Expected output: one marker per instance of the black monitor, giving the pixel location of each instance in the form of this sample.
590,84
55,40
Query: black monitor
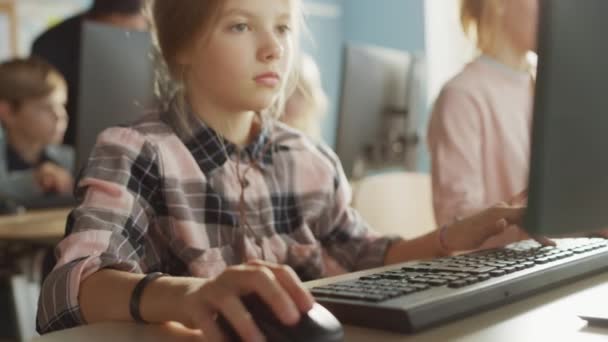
568,185
116,82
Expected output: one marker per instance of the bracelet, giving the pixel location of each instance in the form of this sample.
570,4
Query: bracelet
137,293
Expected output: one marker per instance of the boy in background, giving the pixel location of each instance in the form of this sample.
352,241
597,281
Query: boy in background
33,121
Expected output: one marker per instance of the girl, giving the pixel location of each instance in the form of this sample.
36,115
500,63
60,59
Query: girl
479,134
216,195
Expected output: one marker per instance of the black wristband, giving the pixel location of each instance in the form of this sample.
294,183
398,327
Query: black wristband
136,295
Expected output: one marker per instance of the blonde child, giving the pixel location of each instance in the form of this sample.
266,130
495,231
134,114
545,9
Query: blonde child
33,120
216,194
479,134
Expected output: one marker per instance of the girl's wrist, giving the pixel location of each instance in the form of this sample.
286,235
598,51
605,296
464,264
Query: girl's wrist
170,299
444,249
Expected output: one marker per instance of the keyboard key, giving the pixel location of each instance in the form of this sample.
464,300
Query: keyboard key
451,268
497,273
461,275
482,270
419,287
321,292
509,269
374,297
471,280
394,276
529,264
483,277
541,260
420,280
437,282
350,295
519,267
458,284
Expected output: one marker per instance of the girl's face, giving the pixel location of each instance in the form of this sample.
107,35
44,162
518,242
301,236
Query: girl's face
42,120
243,62
521,23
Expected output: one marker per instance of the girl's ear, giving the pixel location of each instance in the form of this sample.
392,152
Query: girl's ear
5,111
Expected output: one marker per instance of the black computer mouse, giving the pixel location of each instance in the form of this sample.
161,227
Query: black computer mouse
317,325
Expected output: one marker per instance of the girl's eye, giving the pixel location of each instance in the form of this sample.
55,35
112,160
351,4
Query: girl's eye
242,27
284,29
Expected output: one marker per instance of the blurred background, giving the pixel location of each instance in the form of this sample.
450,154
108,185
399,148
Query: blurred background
418,42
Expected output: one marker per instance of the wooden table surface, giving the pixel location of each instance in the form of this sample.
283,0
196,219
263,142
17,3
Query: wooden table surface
34,225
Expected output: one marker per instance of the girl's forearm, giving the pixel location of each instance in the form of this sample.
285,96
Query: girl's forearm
105,296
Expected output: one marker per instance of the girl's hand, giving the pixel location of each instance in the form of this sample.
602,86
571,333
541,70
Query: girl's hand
277,285
470,233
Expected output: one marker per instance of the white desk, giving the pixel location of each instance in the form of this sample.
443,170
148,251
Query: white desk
550,316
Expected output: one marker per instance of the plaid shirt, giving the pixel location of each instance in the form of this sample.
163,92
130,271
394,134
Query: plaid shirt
163,195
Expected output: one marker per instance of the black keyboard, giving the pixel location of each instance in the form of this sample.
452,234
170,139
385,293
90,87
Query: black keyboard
417,295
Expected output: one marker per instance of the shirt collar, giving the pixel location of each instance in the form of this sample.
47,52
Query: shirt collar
211,150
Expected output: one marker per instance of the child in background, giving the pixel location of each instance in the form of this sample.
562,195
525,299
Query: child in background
308,103
33,117
211,199
479,133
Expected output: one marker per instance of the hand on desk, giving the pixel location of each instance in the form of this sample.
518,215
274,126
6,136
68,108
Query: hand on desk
53,178
277,285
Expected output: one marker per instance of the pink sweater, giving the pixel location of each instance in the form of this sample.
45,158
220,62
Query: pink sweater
479,139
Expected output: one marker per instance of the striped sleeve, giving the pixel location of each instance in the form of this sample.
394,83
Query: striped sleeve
111,228
346,237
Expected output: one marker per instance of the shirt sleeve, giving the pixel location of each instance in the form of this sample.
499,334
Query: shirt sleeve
19,185
454,140
111,228
345,236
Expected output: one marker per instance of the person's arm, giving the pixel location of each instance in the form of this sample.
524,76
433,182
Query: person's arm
195,302
27,184
455,143
106,294
20,185
109,230
342,232
462,235
110,245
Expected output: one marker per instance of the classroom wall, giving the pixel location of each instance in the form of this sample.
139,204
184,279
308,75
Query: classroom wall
397,24
325,22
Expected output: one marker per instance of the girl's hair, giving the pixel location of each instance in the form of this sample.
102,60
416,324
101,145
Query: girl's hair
307,118
27,79
177,24
479,20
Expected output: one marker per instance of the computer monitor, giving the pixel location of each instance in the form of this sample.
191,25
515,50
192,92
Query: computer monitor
568,185
116,82
375,124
